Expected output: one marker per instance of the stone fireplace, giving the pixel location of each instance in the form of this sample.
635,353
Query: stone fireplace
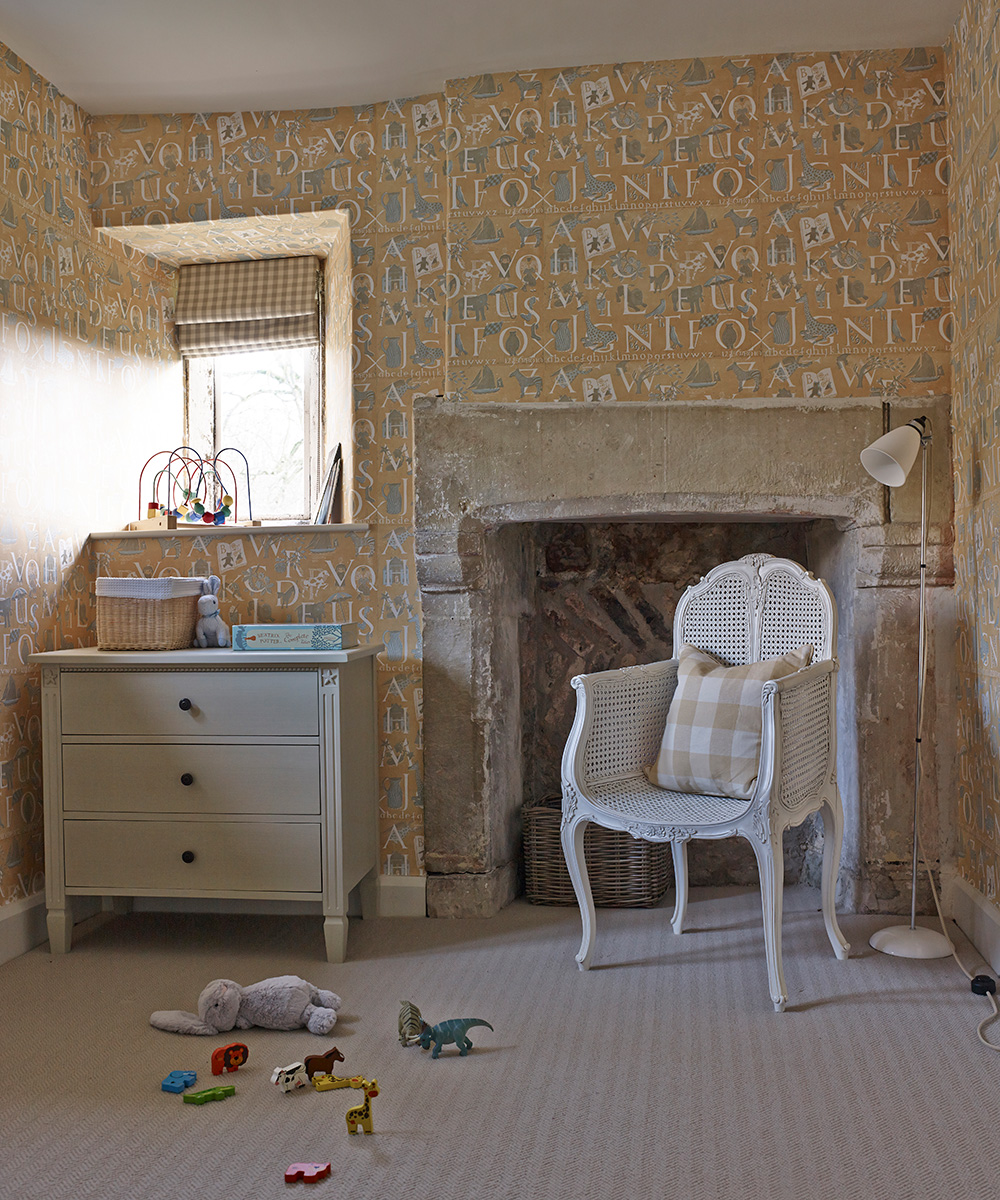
489,477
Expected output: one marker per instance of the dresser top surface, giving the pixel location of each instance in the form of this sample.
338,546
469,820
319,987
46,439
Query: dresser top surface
92,657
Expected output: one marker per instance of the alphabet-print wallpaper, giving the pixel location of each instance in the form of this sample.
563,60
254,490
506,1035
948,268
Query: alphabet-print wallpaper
974,59
758,226
755,226
87,378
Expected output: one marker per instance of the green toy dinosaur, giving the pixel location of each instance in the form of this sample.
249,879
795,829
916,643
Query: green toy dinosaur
454,1030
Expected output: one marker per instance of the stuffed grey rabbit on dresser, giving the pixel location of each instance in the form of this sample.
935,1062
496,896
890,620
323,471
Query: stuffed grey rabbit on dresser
211,630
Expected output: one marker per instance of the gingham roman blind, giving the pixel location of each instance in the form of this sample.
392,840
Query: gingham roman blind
256,304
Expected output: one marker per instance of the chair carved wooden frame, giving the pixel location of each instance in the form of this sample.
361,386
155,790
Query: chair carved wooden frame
756,608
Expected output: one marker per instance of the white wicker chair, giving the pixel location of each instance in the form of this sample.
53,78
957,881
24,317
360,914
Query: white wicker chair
757,608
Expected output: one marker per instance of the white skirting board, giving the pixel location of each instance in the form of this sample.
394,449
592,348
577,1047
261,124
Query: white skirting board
402,896
977,917
22,926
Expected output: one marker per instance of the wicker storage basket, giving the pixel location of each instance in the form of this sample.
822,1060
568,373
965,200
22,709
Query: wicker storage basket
624,872
147,614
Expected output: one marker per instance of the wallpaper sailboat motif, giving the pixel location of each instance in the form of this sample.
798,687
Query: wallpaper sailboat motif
918,59
697,74
925,371
699,222
485,233
485,382
921,213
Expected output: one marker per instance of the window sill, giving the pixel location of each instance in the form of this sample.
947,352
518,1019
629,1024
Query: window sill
190,530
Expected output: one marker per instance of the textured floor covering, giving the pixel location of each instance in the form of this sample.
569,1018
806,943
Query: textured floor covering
663,1072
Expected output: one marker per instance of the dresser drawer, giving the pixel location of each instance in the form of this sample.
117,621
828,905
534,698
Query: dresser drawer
191,778
146,856
190,703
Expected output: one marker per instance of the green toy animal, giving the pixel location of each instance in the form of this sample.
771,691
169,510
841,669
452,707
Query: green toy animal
455,1030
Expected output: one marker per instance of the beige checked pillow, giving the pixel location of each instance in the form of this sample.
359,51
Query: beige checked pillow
711,742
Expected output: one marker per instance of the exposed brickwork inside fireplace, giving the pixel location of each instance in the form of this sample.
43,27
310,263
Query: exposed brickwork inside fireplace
603,596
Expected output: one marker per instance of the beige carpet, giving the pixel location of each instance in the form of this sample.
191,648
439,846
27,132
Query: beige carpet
663,1072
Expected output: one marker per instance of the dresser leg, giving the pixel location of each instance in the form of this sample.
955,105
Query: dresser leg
335,933
60,926
121,906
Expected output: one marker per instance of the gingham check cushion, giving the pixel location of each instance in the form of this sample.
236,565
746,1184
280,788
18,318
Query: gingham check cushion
711,742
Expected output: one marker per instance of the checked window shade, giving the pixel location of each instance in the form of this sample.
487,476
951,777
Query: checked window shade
256,304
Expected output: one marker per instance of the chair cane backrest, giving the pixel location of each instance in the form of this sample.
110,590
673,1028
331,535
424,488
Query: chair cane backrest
757,608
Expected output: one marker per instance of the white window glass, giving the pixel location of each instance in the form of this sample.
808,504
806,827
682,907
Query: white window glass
266,404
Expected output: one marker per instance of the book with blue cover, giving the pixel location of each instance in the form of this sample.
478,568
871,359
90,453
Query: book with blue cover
295,637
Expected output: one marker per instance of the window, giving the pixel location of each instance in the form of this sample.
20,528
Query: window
266,403
249,332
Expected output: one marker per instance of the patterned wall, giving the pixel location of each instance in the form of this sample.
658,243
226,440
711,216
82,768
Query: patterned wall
86,379
316,575
672,231
700,229
384,166
974,54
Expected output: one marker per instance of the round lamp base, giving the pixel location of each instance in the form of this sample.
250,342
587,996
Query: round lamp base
906,942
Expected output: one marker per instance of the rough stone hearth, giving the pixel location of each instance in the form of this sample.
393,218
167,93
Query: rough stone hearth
485,473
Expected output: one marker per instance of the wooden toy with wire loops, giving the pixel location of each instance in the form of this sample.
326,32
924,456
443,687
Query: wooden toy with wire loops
191,489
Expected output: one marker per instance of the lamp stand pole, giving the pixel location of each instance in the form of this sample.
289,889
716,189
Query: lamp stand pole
913,940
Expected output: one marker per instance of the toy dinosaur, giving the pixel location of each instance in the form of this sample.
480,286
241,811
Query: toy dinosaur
455,1030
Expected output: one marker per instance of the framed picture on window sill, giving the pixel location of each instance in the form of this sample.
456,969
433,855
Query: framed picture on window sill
328,507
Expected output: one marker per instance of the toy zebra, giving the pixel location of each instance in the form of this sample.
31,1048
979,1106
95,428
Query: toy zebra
411,1023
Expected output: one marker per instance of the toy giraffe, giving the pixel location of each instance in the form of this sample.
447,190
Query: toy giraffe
361,1114
328,1083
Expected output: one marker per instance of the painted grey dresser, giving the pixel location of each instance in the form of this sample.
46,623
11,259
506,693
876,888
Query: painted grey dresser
210,773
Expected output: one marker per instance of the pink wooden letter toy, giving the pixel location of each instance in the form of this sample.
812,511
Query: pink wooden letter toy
308,1172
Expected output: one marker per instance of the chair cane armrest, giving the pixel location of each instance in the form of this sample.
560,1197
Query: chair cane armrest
803,677
624,680
798,750
619,722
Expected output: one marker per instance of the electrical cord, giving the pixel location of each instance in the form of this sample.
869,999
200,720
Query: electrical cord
983,980
983,985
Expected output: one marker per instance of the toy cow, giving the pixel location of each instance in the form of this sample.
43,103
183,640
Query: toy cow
291,1077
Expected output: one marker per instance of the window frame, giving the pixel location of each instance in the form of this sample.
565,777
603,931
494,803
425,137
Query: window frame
201,395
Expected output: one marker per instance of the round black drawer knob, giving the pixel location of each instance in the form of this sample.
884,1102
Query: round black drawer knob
184,704
187,779
188,856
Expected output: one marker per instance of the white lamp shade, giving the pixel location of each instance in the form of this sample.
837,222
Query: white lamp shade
890,457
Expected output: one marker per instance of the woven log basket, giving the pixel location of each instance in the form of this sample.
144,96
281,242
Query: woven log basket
624,871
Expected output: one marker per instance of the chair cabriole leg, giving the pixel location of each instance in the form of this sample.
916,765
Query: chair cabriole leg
572,835
771,864
833,836
679,852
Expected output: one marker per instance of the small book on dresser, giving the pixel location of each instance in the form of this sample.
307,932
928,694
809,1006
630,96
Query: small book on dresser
295,637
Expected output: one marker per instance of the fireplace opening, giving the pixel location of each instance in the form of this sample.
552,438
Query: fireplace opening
601,595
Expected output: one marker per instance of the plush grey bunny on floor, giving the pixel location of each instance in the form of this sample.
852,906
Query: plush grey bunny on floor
211,630
284,1002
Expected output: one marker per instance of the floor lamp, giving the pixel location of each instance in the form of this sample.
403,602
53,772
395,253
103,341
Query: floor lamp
889,459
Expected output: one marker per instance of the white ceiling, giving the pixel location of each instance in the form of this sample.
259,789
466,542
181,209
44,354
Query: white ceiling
140,56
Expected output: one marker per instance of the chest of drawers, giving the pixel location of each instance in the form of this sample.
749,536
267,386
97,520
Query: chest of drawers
209,773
